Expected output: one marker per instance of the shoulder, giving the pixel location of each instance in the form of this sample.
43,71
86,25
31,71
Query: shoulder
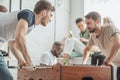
46,53
26,11
27,15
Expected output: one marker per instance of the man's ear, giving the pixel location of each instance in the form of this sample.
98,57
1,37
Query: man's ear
97,21
44,13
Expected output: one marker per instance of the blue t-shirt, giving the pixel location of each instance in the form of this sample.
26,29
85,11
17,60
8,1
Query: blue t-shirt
27,15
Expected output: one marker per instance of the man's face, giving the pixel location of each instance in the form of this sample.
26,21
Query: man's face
81,26
47,18
58,50
91,25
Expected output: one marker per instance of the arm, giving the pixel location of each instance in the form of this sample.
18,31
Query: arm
20,40
84,40
115,39
12,46
86,53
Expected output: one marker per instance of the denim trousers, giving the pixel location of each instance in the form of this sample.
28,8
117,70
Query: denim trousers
4,71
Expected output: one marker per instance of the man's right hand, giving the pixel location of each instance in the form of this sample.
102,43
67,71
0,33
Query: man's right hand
30,67
21,63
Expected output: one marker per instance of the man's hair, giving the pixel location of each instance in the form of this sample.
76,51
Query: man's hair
78,20
43,5
57,44
94,15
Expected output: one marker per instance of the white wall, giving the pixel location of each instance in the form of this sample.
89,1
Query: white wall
77,10
62,19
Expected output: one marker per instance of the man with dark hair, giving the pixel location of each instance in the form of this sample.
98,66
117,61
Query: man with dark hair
13,28
50,57
77,45
84,34
106,37
78,20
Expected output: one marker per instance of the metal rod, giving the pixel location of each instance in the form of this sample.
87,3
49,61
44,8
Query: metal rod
10,3
36,67
20,5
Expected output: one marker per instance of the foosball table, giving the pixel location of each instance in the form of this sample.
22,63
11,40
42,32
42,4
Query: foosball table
71,72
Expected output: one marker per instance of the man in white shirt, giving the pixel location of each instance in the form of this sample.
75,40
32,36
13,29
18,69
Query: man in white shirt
50,57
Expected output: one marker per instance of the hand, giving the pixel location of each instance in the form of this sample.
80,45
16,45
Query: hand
66,56
21,63
106,64
30,67
66,59
82,39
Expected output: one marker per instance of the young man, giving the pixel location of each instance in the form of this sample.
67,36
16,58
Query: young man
13,29
107,38
50,57
77,45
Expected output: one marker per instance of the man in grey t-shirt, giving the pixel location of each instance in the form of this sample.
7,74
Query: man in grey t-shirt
107,38
13,29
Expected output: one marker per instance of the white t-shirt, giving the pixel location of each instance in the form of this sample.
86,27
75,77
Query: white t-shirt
48,58
104,41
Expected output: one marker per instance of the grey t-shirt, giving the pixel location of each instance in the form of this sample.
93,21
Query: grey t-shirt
8,23
104,41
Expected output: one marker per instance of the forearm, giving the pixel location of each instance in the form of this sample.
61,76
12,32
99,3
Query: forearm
21,44
85,56
114,51
86,40
14,50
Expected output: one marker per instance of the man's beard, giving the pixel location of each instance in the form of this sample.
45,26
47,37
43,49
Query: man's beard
92,30
55,54
43,21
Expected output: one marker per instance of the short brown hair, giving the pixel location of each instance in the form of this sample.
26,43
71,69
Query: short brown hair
78,20
43,5
94,15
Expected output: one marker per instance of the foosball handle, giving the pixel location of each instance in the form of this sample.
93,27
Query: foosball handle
87,78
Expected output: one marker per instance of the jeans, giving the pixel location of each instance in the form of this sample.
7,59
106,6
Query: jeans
97,57
4,71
